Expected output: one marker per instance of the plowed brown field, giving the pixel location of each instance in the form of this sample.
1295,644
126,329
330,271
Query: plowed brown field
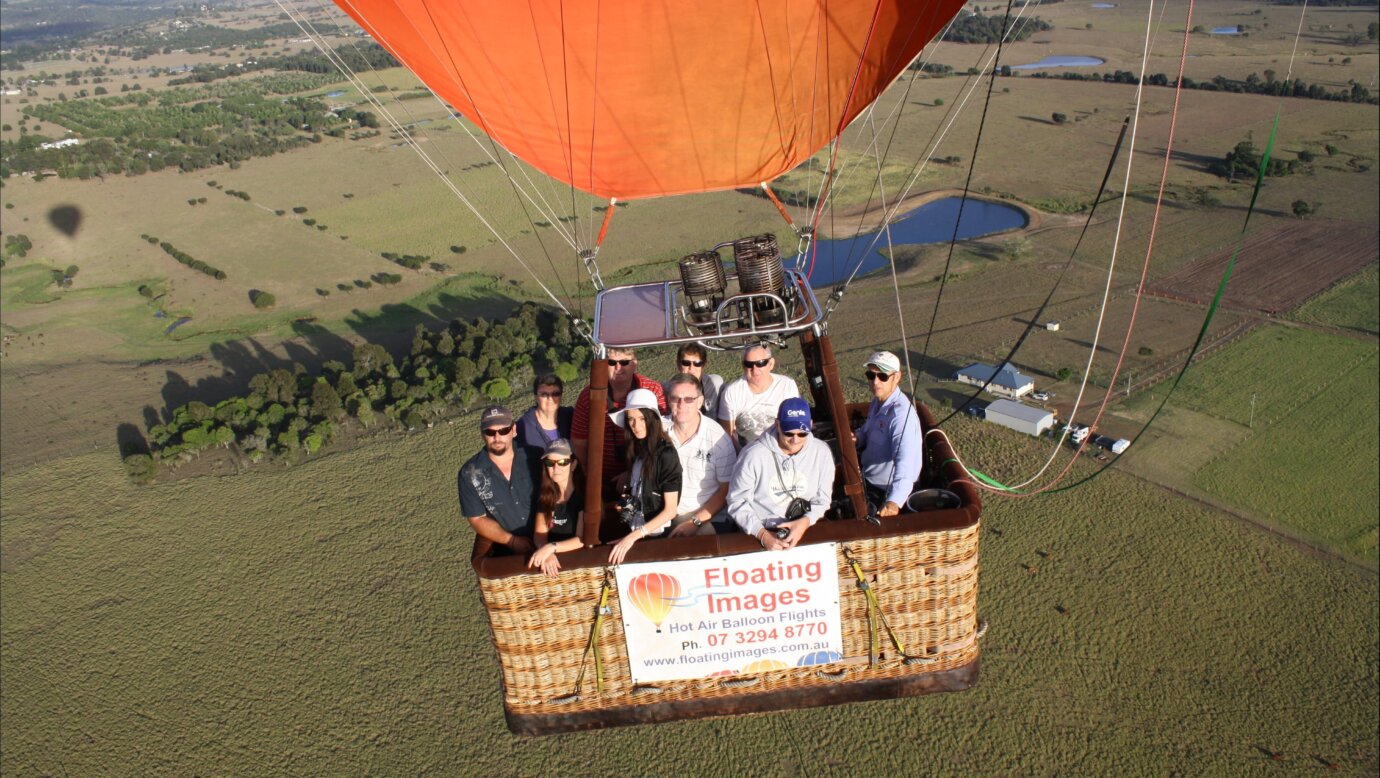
1278,269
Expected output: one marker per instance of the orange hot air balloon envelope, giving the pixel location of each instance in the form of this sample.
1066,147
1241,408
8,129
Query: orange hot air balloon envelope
653,594
643,98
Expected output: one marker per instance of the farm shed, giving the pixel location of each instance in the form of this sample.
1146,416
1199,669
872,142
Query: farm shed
1022,418
1006,381
1052,326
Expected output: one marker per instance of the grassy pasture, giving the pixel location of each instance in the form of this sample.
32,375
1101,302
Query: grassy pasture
1307,461
1353,304
325,616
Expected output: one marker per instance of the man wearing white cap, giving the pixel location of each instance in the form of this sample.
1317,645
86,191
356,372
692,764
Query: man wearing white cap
889,441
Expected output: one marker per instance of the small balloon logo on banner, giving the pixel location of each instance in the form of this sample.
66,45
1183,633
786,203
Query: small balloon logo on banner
764,666
818,658
654,594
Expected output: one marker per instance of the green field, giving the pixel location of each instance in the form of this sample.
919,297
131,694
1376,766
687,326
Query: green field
325,617
1353,304
1306,460
1314,469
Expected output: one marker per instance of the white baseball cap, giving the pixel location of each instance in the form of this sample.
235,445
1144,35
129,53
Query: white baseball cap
884,361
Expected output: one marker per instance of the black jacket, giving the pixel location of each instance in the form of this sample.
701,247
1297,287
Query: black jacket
661,477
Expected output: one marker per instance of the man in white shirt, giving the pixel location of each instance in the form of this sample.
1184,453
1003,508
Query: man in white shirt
747,406
706,461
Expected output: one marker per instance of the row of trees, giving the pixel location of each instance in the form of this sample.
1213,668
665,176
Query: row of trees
1252,84
291,411
1243,161
186,259
359,58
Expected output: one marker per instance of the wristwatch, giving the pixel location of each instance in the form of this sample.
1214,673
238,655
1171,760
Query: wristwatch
696,521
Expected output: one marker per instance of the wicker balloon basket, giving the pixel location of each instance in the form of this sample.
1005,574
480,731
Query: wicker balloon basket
565,668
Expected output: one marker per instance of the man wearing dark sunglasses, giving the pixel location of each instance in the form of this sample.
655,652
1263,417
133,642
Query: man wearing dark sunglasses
889,441
498,485
693,359
783,481
623,378
747,406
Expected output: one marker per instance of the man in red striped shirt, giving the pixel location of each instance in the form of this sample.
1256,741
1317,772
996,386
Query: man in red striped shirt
623,378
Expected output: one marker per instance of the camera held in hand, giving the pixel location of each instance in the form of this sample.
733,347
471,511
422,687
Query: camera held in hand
797,508
630,511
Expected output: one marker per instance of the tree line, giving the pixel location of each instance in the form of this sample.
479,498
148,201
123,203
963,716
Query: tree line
977,28
186,259
288,412
1253,84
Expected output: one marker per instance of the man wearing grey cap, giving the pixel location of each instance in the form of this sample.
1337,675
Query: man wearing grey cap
889,441
497,486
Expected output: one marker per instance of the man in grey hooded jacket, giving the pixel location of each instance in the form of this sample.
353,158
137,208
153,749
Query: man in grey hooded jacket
784,463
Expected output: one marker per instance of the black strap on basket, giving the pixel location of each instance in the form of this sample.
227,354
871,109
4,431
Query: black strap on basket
874,614
592,647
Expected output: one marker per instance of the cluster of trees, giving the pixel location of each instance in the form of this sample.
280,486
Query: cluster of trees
186,259
1244,161
261,299
977,28
63,278
288,411
1252,84
186,129
409,261
17,245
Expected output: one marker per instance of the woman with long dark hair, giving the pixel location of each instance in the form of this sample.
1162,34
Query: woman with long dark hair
560,507
654,480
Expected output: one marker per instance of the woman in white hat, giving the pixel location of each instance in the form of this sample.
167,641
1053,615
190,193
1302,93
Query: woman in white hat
654,483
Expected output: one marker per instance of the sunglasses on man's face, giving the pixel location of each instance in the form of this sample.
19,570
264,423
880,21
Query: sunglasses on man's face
619,362
550,463
683,400
756,362
497,432
549,395
798,434
692,363
873,375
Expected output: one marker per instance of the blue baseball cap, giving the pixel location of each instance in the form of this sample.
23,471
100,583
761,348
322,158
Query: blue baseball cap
793,415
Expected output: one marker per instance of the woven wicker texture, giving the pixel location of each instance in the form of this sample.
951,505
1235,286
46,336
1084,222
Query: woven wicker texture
926,583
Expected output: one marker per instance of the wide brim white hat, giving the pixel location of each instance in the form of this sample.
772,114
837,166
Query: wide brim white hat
637,398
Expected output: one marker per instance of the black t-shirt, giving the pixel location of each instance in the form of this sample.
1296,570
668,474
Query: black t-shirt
565,516
661,477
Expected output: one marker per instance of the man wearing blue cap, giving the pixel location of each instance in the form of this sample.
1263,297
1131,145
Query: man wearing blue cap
783,481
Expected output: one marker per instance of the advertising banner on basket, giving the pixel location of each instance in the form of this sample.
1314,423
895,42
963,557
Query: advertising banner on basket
735,615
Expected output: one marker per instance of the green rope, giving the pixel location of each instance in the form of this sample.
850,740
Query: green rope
1202,332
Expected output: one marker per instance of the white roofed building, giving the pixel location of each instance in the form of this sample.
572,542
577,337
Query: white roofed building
1022,418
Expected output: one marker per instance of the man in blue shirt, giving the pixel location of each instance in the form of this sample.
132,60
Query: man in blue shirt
889,442
498,488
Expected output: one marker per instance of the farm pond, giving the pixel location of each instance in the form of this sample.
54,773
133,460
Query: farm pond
930,223
1061,61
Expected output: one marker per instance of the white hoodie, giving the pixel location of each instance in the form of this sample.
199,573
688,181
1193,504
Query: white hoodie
765,479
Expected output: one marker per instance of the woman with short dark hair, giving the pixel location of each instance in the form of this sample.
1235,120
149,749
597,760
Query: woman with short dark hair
547,419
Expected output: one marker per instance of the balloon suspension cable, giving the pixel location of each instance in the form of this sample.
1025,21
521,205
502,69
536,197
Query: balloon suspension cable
921,163
894,117
967,186
1035,318
308,29
781,209
986,482
543,207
